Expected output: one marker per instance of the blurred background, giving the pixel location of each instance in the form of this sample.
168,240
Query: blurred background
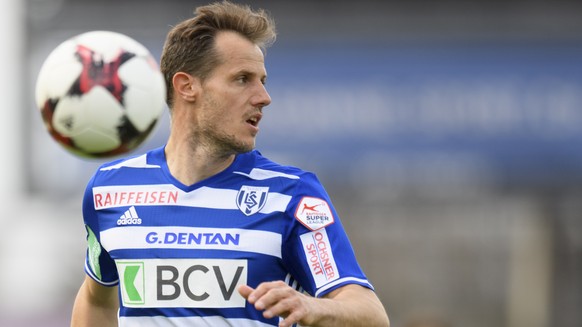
448,134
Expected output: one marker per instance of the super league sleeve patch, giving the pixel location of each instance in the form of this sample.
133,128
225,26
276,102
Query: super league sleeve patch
314,213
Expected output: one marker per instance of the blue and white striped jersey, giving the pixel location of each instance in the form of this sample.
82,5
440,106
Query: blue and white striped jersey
178,252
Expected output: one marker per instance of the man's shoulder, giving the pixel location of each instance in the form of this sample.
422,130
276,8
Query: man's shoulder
128,168
255,165
143,160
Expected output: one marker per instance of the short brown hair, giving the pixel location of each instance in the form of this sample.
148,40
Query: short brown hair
190,45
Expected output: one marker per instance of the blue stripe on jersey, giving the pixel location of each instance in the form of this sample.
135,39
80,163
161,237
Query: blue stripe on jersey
182,250
209,321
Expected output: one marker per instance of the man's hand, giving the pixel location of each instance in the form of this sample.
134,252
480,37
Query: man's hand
349,305
279,299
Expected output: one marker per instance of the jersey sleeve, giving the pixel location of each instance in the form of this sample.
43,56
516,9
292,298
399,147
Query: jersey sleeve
98,263
317,250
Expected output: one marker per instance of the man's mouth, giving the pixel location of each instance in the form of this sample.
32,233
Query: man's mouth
254,120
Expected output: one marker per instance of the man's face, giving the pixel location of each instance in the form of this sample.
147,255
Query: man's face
234,95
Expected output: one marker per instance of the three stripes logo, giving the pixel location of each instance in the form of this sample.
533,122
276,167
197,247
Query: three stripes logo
129,217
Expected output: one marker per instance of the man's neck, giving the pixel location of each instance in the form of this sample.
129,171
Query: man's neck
191,165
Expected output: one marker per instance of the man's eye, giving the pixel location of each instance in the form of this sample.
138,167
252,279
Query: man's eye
242,79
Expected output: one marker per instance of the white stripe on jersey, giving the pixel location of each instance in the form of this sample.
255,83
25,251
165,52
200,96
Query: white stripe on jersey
202,238
342,280
167,194
262,174
137,162
213,321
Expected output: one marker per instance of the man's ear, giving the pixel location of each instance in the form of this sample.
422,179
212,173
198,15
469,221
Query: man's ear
186,86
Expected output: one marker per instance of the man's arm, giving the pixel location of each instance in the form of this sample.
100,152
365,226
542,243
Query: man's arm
349,306
95,305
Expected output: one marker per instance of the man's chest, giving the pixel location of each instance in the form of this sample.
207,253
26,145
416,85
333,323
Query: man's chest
172,256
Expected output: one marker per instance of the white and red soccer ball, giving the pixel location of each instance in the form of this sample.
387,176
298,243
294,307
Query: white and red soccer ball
100,94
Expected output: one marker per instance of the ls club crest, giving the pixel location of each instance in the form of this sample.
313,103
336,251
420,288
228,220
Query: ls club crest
251,199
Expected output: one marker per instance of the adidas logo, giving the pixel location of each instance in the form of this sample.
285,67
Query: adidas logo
129,218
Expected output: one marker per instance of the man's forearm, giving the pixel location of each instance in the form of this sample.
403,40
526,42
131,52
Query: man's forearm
353,307
95,307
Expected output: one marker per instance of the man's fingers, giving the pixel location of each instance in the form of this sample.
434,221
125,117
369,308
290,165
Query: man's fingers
271,294
258,293
245,291
279,308
276,299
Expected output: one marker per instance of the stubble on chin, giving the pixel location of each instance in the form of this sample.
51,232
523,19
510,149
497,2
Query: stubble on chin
217,138
225,143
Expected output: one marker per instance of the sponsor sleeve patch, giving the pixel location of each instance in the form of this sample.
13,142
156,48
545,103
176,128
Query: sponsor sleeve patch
314,213
93,252
319,257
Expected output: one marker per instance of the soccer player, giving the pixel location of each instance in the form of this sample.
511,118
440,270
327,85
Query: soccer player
205,231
